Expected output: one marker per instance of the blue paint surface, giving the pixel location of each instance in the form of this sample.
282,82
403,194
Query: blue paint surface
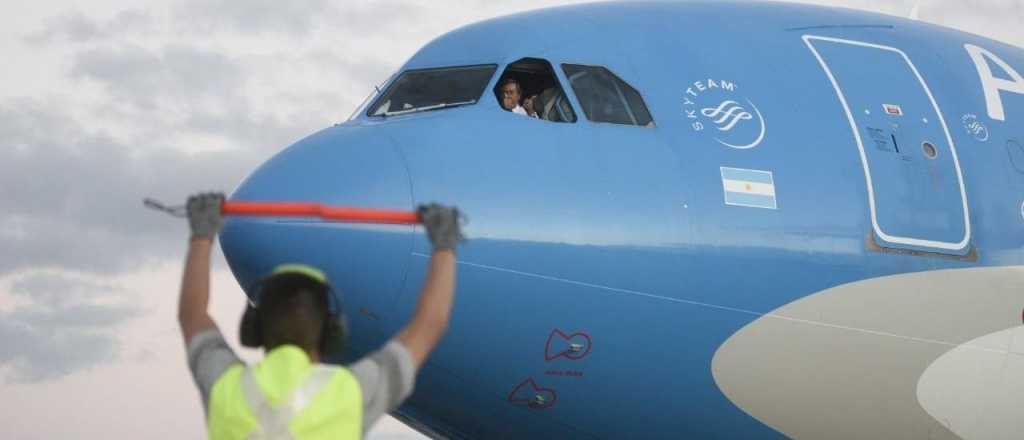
622,232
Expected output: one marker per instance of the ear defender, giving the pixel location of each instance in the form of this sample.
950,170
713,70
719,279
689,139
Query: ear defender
250,330
334,340
333,337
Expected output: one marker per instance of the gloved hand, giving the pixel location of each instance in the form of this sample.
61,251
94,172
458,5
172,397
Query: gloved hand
442,224
204,214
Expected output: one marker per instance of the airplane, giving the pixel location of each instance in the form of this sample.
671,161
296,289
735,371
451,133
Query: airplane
728,219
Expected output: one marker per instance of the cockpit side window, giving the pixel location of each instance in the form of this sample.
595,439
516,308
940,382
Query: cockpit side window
607,98
529,87
433,89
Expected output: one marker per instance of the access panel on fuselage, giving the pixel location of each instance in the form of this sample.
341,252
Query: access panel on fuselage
915,187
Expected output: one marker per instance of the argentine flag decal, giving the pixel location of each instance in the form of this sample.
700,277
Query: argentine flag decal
751,188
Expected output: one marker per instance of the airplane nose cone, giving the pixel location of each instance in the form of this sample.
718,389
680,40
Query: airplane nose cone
344,166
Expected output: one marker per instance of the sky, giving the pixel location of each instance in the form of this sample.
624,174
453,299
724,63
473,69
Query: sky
105,102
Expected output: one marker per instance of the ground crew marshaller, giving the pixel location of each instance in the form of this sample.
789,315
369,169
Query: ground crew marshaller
289,394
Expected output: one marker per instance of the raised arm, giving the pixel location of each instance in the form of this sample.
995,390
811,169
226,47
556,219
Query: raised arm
433,309
204,215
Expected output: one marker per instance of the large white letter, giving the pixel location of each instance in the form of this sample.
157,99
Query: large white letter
991,84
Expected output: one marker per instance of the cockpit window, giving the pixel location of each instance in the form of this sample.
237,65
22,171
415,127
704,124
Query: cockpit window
433,89
529,87
607,98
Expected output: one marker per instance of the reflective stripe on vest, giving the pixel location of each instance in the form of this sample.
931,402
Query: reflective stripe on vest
286,396
274,420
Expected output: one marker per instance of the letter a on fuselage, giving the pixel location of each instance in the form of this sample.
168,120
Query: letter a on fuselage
992,85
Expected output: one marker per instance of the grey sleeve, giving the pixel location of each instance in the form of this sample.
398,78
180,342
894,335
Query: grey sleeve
387,378
209,356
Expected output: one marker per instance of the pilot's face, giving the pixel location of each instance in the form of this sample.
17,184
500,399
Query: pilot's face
510,96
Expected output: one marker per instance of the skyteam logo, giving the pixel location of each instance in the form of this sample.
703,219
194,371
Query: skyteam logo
728,114
714,107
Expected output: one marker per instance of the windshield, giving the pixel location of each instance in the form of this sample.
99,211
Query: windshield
432,89
607,98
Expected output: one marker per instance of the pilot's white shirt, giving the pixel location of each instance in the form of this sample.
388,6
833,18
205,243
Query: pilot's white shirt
520,110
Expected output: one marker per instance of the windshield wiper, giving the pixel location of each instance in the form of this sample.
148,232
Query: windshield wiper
428,108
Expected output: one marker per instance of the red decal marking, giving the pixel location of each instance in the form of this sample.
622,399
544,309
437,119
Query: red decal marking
526,394
555,353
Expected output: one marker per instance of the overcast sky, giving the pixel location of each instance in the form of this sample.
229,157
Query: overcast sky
105,102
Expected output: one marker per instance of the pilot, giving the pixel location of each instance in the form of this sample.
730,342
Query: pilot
510,95
530,105
541,105
289,393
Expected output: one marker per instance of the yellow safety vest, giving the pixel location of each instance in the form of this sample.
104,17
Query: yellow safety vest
286,397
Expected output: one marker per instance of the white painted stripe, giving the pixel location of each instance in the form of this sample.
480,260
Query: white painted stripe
745,187
723,307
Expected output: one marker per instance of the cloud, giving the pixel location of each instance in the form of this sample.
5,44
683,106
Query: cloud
76,27
190,98
73,195
176,73
297,18
64,324
55,288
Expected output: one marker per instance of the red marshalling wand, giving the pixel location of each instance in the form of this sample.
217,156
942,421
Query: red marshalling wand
334,213
301,209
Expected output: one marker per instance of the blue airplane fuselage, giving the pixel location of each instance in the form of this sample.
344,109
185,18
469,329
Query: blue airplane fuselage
826,210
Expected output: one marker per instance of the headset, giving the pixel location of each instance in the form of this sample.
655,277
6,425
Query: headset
333,337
